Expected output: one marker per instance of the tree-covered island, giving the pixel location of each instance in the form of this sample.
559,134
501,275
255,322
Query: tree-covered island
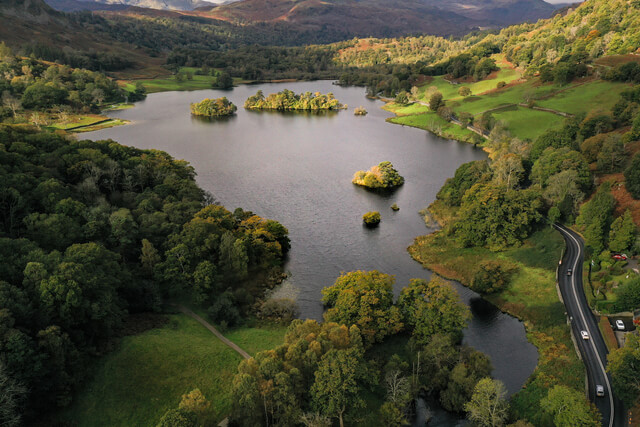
288,100
381,176
371,219
219,107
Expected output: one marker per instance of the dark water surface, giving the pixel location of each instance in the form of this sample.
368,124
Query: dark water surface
297,169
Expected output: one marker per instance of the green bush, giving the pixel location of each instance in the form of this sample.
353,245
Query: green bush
491,277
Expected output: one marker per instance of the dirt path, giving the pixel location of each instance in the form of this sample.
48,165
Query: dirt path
214,331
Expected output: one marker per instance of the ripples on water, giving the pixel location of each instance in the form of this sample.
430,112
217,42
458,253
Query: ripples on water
297,169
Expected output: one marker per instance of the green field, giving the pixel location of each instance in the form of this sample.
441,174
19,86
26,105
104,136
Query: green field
592,96
148,373
522,122
435,124
79,121
450,91
526,123
102,125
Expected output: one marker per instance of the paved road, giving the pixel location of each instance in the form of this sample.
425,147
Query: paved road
593,350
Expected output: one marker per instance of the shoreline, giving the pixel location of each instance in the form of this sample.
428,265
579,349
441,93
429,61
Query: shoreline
549,342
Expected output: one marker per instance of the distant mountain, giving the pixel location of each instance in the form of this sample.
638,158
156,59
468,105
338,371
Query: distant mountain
78,5
34,22
386,17
381,18
75,5
502,12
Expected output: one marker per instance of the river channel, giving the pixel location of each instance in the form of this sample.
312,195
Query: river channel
297,169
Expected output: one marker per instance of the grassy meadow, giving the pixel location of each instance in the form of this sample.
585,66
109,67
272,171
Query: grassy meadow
148,373
509,104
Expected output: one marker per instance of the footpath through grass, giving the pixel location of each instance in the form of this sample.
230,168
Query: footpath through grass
531,297
148,373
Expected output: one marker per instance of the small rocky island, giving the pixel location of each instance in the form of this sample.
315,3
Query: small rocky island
383,176
287,100
371,219
219,107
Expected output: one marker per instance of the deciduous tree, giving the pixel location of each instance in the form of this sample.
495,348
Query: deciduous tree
365,299
623,233
488,406
336,390
433,307
624,367
569,408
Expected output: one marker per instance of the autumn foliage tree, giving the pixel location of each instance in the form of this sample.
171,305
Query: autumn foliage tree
364,299
279,386
488,406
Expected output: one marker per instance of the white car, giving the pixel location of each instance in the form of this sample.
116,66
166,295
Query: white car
584,335
620,325
569,272
599,390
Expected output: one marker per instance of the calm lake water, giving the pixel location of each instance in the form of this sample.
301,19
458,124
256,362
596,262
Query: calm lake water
297,169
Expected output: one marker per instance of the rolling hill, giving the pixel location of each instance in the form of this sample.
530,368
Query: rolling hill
33,22
77,5
383,18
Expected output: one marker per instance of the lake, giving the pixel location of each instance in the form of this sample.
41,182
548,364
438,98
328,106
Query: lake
297,169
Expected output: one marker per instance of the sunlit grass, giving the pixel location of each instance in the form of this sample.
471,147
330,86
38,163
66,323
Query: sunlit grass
526,123
148,373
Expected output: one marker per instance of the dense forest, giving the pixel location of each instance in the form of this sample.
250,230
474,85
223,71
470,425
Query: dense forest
93,231
36,85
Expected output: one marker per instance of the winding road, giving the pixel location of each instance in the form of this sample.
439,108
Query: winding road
592,350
